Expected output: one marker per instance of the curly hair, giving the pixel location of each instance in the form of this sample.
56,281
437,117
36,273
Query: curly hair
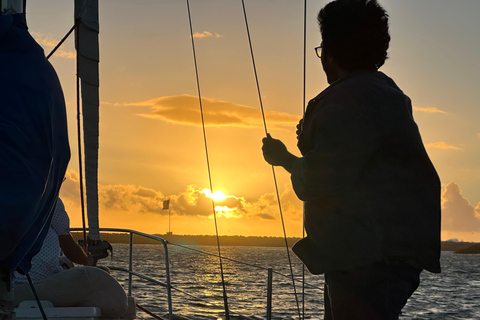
355,33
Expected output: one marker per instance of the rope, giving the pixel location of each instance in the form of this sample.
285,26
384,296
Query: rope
148,312
44,316
304,55
80,167
142,276
61,41
273,169
225,299
304,107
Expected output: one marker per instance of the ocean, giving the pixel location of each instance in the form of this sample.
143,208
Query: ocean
453,294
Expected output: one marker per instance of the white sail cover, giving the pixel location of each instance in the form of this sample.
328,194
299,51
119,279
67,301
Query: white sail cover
87,13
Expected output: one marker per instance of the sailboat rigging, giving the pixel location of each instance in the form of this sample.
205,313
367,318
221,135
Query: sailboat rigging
222,276
273,168
86,16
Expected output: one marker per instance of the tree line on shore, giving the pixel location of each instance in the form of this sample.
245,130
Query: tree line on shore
461,247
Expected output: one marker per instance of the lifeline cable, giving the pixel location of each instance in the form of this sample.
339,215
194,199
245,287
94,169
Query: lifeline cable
233,260
225,300
273,168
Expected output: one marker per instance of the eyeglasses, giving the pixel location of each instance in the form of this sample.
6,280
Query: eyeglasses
318,51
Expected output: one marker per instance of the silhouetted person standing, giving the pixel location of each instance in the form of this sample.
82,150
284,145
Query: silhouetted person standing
371,193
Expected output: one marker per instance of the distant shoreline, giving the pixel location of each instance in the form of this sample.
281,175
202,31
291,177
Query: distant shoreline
234,240
197,239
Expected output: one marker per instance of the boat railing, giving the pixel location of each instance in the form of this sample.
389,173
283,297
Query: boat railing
168,284
130,263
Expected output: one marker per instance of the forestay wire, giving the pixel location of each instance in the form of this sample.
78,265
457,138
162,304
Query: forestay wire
225,300
273,168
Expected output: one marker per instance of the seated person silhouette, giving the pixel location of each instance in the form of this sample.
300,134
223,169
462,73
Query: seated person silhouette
56,280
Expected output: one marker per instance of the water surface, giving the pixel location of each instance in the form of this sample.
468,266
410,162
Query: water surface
453,294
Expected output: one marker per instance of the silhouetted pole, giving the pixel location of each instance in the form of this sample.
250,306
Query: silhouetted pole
269,293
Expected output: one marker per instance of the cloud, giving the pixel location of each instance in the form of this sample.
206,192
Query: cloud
201,35
115,197
442,145
138,204
70,190
267,207
429,110
48,43
115,104
145,193
266,216
457,212
193,201
206,34
184,109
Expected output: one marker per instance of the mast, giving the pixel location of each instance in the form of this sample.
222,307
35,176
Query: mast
86,17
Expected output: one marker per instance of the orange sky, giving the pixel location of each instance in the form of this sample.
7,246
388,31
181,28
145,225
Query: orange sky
151,143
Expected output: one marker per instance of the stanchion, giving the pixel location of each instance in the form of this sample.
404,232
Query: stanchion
269,293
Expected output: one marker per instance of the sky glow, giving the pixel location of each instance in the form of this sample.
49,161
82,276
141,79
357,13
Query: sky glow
151,144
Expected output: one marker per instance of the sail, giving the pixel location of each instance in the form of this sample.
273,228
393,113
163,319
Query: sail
33,143
86,14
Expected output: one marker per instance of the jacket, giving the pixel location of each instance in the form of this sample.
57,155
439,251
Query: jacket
371,192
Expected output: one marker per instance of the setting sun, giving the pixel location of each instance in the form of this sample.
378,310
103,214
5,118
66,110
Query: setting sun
217,195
